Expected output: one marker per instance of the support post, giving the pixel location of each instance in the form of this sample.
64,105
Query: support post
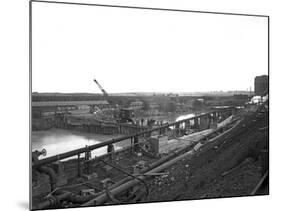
110,151
177,128
136,141
196,124
79,166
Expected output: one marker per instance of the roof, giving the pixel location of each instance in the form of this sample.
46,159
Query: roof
68,103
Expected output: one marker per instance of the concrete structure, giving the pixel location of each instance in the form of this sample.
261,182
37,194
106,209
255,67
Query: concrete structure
261,85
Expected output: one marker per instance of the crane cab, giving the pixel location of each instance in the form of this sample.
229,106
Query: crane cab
126,115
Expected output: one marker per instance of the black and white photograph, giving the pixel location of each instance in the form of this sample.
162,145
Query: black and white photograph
133,105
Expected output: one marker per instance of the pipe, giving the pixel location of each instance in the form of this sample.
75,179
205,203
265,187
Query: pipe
151,166
103,197
63,195
105,143
260,183
128,174
163,160
77,199
51,173
51,201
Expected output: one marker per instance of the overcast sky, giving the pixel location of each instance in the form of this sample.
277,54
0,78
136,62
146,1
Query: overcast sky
133,50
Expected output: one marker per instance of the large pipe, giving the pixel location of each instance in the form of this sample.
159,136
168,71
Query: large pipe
162,160
77,199
83,199
105,143
51,201
151,166
63,195
51,173
103,197
263,181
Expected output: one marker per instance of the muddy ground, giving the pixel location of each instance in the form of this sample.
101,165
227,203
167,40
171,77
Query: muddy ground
226,169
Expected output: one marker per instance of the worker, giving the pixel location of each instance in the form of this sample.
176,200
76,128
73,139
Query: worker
88,155
142,120
110,151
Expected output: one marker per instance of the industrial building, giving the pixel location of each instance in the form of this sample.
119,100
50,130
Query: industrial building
261,85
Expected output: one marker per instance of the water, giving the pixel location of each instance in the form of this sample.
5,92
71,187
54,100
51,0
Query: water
173,117
184,117
57,141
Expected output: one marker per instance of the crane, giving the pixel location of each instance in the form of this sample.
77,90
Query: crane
124,115
102,89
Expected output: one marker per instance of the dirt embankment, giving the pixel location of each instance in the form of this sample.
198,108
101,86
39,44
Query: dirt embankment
231,167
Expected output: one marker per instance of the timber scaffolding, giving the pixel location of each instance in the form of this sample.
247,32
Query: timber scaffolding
154,164
98,126
106,128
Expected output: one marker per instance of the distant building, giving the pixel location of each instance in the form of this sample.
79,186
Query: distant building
42,108
70,104
261,85
136,105
240,96
153,105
